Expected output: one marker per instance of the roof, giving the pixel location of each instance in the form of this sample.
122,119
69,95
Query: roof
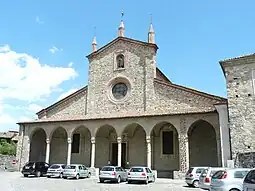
8,135
62,100
246,59
123,39
161,76
194,91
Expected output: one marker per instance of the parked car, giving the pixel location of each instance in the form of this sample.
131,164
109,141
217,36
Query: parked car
56,170
206,175
139,173
112,173
192,176
35,168
76,171
249,181
230,179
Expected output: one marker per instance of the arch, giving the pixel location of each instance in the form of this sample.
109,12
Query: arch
165,147
133,145
202,144
81,145
37,145
58,145
106,135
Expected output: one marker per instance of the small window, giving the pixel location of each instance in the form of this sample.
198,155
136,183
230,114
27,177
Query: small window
168,142
120,61
240,174
76,143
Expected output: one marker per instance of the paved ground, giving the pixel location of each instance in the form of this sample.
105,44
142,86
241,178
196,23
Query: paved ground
13,181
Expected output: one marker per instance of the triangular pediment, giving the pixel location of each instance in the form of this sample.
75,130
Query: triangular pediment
125,39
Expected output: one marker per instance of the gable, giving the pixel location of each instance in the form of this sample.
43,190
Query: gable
161,76
73,105
173,99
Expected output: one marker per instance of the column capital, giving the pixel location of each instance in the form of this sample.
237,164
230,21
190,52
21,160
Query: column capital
93,140
69,140
119,139
48,141
148,139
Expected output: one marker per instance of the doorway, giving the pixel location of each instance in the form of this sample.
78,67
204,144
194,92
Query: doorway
114,159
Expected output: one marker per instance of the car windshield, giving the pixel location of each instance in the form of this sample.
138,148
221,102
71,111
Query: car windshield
29,164
71,167
55,166
136,170
107,168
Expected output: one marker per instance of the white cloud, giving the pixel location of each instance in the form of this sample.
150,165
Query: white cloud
54,49
24,119
70,64
23,77
34,108
6,119
65,94
38,20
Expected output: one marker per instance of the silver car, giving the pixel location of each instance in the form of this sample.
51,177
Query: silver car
249,181
192,175
112,173
230,179
76,171
55,170
206,175
139,173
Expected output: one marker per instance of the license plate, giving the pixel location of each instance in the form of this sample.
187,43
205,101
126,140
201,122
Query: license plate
27,167
25,172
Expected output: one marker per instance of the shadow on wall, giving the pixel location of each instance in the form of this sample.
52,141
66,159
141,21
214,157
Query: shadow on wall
245,160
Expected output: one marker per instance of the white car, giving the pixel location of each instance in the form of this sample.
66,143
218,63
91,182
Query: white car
55,170
192,175
249,181
139,173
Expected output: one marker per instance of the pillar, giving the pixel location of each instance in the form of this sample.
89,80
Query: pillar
119,150
224,134
93,152
148,141
69,150
184,152
47,158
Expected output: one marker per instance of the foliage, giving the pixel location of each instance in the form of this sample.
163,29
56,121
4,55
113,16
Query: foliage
7,148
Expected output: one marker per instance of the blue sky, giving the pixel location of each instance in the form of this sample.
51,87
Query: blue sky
43,45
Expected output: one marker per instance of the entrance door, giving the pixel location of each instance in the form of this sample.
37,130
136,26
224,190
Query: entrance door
123,155
114,161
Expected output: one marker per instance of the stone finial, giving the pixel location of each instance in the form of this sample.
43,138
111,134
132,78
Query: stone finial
151,33
121,30
94,44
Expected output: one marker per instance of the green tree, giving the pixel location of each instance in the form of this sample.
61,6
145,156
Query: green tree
7,148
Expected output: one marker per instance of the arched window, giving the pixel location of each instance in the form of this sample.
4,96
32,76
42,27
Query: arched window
120,61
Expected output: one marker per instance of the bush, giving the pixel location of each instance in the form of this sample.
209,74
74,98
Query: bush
7,148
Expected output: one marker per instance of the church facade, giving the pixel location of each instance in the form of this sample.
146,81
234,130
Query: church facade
129,114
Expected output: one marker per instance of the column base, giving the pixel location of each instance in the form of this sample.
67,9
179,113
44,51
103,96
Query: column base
179,175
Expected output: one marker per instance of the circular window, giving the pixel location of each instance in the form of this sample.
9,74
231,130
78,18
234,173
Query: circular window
119,90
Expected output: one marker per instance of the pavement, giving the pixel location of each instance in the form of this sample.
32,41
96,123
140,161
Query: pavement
14,181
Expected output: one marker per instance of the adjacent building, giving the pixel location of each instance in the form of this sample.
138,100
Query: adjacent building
129,113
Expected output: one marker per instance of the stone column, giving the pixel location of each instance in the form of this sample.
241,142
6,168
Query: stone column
119,150
148,140
224,134
47,158
93,152
69,151
184,152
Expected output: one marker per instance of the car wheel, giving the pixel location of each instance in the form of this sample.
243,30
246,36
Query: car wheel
189,185
195,183
48,176
61,175
25,175
77,176
89,175
129,181
38,174
118,179
147,180
101,180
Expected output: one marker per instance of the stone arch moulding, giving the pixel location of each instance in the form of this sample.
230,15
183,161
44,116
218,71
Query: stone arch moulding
162,123
55,128
73,130
33,130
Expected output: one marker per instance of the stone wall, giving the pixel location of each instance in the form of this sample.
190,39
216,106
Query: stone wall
6,162
241,99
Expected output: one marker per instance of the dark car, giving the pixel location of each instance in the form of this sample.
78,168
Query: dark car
35,168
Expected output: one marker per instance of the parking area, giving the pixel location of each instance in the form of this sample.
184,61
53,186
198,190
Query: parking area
14,181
